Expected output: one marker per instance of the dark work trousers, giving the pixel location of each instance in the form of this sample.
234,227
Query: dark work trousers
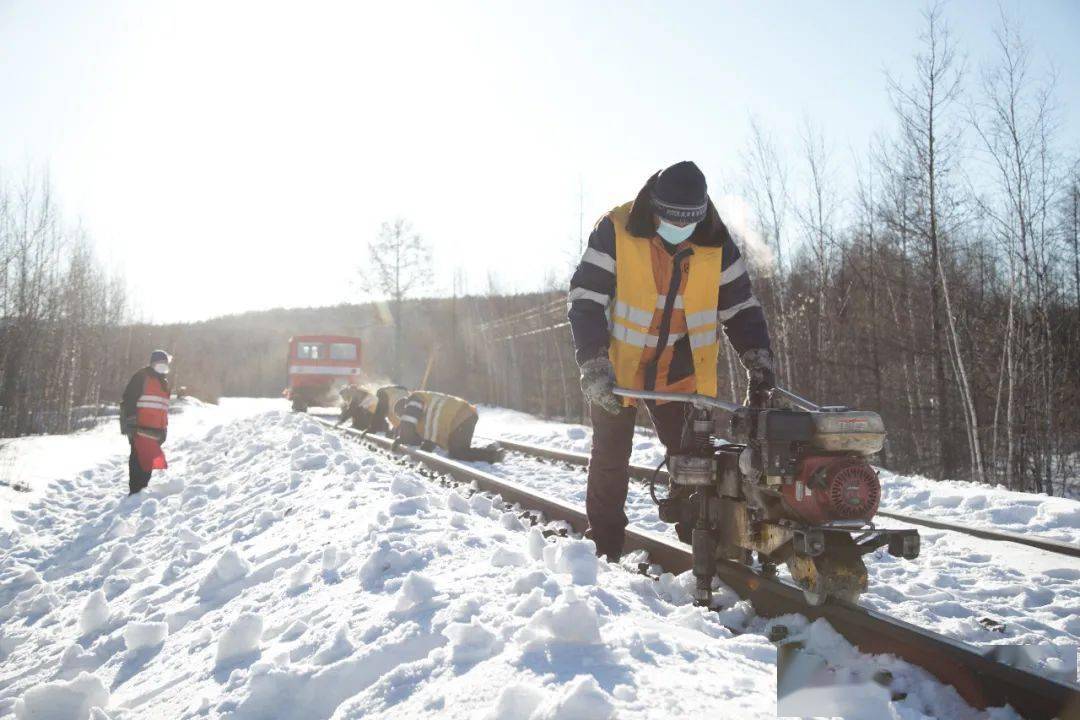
461,444
137,477
609,468
361,418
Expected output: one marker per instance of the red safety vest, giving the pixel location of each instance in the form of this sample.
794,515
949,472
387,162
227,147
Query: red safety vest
152,409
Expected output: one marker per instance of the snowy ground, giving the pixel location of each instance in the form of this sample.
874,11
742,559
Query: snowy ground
279,571
980,505
957,586
37,461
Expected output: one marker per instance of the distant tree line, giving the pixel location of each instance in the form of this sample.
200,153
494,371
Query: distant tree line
57,306
459,344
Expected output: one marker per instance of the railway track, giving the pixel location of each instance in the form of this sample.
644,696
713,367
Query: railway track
642,472
981,681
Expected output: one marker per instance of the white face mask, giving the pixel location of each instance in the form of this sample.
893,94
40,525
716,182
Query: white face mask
673,234
161,368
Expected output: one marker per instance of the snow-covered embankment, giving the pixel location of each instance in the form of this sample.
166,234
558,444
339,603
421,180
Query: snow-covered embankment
278,570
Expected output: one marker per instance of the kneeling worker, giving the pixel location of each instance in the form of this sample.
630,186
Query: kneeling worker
144,418
432,420
385,419
359,405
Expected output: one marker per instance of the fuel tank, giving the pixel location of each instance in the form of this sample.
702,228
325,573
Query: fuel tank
860,432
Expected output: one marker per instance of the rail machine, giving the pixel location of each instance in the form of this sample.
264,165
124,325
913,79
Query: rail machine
794,485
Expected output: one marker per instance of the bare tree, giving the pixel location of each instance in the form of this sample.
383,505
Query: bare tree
766,183
931,138
1014,121
1071,217
867,200
56,308
399,261
895,210
816,214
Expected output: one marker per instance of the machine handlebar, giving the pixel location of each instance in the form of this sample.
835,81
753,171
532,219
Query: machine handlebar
701,401
704,401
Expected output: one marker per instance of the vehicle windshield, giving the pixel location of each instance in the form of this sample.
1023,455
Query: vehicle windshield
311,351
342,351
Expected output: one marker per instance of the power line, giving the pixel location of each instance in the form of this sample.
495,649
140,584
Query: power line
524,316
533,332
528,312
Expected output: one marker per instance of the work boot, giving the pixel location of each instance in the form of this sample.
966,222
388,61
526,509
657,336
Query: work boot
607,544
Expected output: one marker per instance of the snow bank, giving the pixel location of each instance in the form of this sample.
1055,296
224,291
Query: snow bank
416,590
99,454
469,642
95,613
324,581
139,635
240,639
516,702
575,557
62,700
982,505
228,568
581,698
570,620
332,559
339,647
505,557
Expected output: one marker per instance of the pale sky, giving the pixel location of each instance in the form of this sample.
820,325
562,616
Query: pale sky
229,156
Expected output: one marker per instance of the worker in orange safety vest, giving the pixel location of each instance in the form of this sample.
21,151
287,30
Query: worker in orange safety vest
431,420
144,419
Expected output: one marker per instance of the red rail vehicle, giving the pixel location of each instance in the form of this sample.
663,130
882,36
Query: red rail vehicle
318,367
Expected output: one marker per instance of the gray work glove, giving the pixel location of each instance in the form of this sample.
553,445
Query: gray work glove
598,384
760,376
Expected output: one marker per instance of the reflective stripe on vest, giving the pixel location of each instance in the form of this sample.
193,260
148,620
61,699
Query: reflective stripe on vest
442,415
640,339
637,301
393,395
152,407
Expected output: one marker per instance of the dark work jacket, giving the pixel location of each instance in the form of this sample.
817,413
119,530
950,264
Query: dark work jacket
592,288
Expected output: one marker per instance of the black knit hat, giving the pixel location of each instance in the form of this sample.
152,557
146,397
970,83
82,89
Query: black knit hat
679,194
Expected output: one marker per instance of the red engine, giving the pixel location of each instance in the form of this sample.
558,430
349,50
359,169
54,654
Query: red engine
790,484
830,487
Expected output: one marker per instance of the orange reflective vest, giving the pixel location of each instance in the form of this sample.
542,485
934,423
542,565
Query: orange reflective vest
436,416
152,408
660,298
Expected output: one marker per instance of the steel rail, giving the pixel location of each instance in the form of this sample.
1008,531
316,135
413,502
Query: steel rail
981,681
642,472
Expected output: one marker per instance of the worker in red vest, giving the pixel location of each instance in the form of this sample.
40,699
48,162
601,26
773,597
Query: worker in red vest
144,418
